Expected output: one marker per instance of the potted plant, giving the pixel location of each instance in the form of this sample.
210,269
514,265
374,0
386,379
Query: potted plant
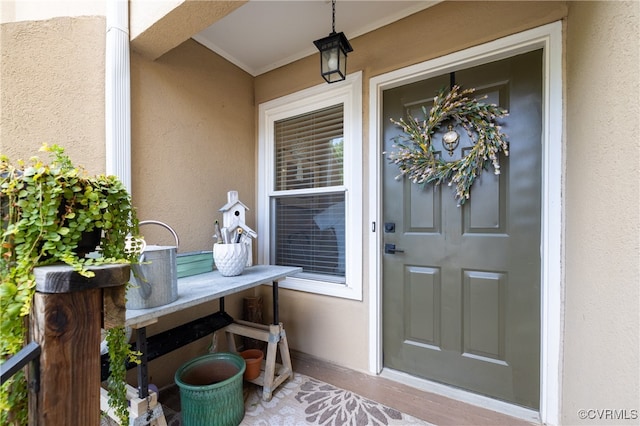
49,213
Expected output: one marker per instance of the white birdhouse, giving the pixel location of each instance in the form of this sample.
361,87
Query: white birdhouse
234,211
233,217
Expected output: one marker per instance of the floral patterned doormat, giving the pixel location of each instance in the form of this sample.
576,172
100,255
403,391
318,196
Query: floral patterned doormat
307,401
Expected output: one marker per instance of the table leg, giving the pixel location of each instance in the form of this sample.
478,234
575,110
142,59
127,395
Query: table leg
143,372
276,316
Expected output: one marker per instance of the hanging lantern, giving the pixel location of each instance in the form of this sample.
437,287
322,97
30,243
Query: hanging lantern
333,53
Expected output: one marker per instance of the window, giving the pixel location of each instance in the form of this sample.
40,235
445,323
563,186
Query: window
309,188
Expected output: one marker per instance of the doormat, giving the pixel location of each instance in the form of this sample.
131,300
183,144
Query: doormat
303,400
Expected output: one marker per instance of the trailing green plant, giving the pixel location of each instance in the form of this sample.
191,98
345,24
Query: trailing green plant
46,210
119,354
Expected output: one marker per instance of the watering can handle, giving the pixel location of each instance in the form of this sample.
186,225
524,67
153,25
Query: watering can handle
156,222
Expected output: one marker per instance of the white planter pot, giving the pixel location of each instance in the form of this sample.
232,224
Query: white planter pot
230,259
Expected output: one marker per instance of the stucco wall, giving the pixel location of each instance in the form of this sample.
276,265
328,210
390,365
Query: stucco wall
192,141
52,88
192,133
335,329
601,365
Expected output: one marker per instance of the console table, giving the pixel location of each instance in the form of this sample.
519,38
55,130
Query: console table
198,289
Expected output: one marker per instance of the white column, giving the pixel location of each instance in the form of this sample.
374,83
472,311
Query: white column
118,92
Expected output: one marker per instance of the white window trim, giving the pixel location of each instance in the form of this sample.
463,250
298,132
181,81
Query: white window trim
349,93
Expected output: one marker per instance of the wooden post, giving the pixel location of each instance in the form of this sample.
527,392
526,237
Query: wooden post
66,318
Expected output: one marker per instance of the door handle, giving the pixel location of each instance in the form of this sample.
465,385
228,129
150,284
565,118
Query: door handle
391,249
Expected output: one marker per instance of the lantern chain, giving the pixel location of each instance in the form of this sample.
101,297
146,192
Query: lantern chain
333,16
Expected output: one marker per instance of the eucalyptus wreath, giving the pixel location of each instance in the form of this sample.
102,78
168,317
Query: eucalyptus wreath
417,158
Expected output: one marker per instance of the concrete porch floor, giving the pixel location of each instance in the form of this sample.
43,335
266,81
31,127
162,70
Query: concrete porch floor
433,408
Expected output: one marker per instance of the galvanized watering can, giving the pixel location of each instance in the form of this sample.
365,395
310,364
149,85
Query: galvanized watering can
155,278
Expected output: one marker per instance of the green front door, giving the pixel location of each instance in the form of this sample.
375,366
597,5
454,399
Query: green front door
461,302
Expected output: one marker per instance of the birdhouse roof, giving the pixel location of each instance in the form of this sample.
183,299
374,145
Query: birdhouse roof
232,200
231,205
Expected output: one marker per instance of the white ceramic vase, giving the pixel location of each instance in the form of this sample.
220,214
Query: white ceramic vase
230,259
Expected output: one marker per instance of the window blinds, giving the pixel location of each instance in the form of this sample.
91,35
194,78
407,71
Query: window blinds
309,228
310,233
308,150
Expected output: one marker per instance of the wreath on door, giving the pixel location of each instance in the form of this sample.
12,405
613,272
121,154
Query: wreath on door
419,161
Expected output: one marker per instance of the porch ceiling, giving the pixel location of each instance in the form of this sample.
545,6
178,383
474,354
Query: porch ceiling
264,34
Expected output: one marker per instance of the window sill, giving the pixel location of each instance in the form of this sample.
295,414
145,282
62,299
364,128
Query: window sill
325,288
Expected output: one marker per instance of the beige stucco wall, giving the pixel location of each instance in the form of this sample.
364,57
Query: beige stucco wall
192,142
192,135
159,26
52,88
601,309
601,367
336,329
192,131
194,122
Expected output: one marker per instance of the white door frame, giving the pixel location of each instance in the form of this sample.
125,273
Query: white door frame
549,38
